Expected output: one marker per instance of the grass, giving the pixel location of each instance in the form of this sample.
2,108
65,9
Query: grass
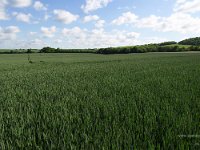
89,101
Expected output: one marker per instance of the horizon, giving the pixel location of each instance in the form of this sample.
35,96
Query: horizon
89,24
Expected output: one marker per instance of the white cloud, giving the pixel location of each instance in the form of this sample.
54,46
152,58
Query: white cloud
3,15
92,5
8,33
11,29
65,16
58,41
12,3
177,22
22,17
48,32
125,18
180,1
74,32
36,22
34,43
46,16
20,3
82,38
90,18
180,22
149,22
187,6
149,40
3,2
32,33
133,35
100,23
39,6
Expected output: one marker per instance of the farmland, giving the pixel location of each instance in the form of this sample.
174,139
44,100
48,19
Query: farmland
91,101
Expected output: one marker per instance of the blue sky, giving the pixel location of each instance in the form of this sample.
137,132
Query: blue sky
96,23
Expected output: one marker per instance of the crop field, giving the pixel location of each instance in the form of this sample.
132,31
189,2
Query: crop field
91,101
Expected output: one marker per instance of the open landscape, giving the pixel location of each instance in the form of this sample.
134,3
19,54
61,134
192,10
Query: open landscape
92,101
100,75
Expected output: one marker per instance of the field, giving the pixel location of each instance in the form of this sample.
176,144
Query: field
90,101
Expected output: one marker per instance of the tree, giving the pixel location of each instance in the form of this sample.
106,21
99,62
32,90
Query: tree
29,51
48,50
191,41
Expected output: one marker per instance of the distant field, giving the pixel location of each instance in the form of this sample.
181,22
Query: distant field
90,101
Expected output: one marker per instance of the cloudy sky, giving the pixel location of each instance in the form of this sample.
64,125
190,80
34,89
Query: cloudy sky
96,23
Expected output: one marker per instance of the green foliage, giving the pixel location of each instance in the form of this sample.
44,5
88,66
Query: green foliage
58,50
48,50
148,48
76,51
167,43
29,51
128,49
16,51
191,41
195,48
143,49
170,49
170,46
87,101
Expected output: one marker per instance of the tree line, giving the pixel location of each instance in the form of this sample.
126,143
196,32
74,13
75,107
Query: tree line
147,48
58,50
192,44
191,41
